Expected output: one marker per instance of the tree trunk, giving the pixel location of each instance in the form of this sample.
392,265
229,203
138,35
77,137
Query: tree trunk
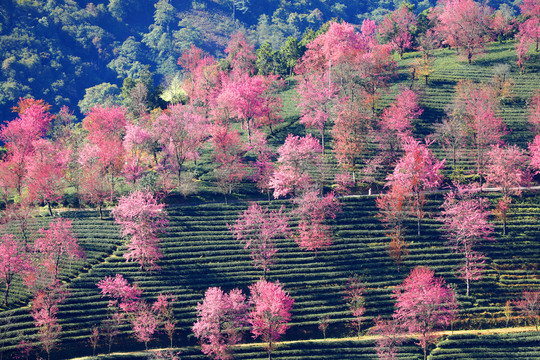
100,212
50,209
6,295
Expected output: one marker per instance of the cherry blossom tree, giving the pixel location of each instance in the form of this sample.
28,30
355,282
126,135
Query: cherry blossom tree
249,101
395,123
44,312
465,222
142,219
181,132
418,171
220,319
271,312
13,261
529,306
57,243
463,24
397,28
163,308
507,170
257,228
534,112
123,296
228,154
299,158
262,168
394,207
94,339
350,133
316,100
330,51
424,304
93,184
389,339
106,128
534,150
529,30
19,136
313,210
241,55
354,296
144,323
46,173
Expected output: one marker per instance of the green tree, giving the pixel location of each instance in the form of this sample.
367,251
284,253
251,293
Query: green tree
104,94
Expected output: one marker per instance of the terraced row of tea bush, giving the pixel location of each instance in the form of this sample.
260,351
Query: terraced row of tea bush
200,252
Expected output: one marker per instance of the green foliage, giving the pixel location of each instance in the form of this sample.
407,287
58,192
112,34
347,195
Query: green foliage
105,94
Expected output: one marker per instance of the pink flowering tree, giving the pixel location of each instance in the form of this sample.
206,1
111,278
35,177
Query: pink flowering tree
142,219
270,313
163,308
354,296
534,112
316,100
257,228
478,105
397,28
144,323
249,100
299,158
419,171
466,225
181,132
19,137
529,306
395,123
507,170
106,128
534,150
389,338
58,243
464,25
220,319
424,305
45,314
229,150
46,173
312,209
529,31
13,261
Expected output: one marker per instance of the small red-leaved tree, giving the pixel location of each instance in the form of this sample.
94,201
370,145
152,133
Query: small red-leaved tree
424,305
257,228
354,296
57,243
393,209
529,306
13,261
142,219
271,312
506,169
419,171
465,221
220,319
312,233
